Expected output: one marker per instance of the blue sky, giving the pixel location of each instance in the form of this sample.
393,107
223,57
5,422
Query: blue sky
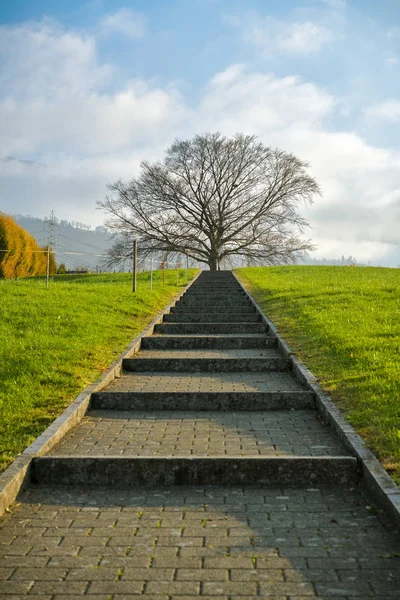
89,89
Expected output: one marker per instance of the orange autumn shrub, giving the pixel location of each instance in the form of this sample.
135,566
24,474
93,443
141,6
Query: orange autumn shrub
20,254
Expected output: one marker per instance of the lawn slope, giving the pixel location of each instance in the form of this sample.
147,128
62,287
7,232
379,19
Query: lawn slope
55,341
344,324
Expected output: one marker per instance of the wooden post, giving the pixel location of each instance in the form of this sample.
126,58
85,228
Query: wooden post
134,264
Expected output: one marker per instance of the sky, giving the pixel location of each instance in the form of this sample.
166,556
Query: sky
90,89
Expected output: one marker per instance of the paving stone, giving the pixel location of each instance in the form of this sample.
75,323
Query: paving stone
149,574
202,575
6,572
60,587
173,587
38,574
92,573
217,588
116,587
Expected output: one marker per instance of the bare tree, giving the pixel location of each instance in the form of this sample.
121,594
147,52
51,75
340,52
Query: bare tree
213,198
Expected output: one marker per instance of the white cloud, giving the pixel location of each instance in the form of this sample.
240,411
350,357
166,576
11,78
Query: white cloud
393,33
257,101
387,111
392,61
304,38
335,4
56,95
124,22
41,59
230,74
272,36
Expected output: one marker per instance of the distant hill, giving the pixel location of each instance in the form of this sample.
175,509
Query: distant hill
77,244
339,262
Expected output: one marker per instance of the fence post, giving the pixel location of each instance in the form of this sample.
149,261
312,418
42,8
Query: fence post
134,265
163,272
151,273
48,267
187,268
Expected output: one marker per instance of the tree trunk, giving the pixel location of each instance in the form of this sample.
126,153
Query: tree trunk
213,262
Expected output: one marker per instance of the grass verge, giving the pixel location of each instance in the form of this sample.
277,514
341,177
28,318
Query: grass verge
344,324
56,341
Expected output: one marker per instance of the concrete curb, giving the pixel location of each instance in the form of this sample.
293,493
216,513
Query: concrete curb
384,492
18,474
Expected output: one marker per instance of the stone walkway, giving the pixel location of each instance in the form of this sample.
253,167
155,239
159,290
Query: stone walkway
203,471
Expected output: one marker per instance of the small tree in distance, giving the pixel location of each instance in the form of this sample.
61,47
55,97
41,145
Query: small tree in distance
213,198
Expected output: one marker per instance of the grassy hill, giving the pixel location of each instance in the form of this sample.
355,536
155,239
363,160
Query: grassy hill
344,324
55,341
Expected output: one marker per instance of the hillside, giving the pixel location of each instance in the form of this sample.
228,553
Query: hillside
76,244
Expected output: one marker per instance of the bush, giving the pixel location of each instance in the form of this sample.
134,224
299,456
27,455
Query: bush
20,254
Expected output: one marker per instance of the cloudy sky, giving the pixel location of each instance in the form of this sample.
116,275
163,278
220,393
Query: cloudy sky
89,89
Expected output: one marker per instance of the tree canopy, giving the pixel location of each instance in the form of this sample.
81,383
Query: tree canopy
214,198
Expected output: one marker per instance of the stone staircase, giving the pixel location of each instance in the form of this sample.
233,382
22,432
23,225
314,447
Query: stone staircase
203,471
197,408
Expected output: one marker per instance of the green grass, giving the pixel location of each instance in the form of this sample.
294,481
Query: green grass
56,341
344,324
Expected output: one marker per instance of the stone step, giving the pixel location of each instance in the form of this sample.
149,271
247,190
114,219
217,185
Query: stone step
216,276
225,285
121,472
209,328
207,360
212,317
206,300
221,365
203,341
202,401
217,284
215,291
218,295
191,382
199,309
201,291
204,433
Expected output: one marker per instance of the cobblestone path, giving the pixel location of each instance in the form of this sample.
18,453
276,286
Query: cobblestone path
204,471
